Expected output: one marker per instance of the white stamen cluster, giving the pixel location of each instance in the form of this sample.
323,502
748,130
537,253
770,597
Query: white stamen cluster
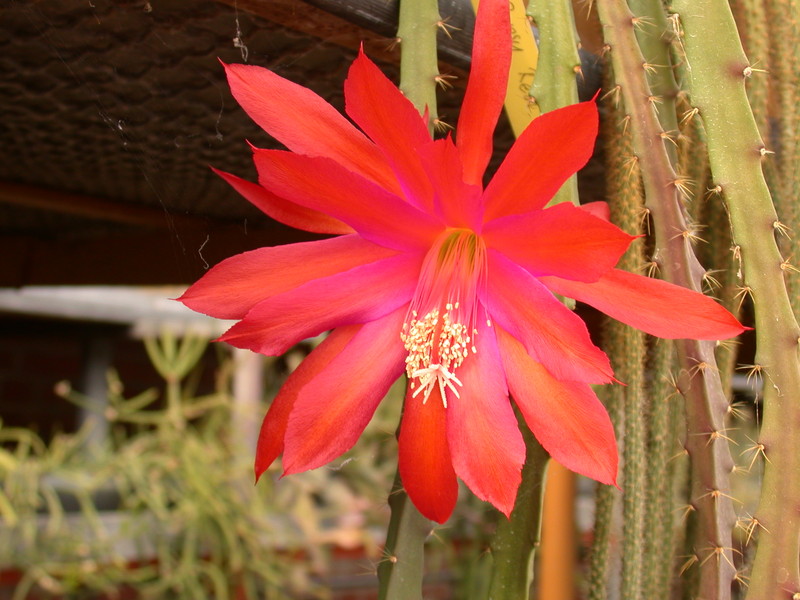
436,345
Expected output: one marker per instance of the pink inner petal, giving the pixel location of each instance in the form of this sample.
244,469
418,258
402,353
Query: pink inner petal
485,442
553,147
273,429
551,333
652,305
566,417
304,122
359,295
323,185
282,210
234,286
389,118
334,407
562,240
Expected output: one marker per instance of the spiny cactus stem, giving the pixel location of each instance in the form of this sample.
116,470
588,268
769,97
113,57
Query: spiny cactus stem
716,68
418,24
401,569
702,387
554,84
516,539
400,573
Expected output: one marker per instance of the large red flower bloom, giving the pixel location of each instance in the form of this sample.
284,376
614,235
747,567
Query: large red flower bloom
434,276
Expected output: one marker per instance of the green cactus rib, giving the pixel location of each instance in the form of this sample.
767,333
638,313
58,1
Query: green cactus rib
783,173
418,24
717,67
400,573
516,538
700,383
554,84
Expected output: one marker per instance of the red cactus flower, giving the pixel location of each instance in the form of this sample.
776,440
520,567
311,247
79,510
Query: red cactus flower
432,275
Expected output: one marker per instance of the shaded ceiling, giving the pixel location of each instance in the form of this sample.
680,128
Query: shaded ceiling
111,112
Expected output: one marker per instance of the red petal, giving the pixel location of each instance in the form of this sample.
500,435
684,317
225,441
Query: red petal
323,185
333,409
426,468
551,333
273,429
389,118
457,202
562,240
234,286
485,442
304,122
652,305
566,417
359,295
486,88
282,210
553,147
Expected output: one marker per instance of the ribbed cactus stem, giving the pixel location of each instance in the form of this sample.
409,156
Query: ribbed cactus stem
400,573
418,24
783,171
558,65
401,569
659,517
700,382
516,539
717,69
650,28
626,347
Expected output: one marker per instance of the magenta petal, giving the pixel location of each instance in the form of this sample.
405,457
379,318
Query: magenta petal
334,407
323,185
359,295
486,88
566,417
273,429
484,438
304,122
652,305
562,240
282,210
551,333
553,147
234,286
389,118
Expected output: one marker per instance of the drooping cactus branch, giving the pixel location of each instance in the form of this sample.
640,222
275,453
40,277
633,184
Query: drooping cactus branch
699,381
717,68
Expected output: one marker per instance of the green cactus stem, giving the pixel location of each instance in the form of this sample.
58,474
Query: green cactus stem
401,570
717,69
699,381
783,171
558,64
516,539
418,24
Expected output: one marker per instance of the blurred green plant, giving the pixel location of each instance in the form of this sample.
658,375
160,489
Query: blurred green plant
166,506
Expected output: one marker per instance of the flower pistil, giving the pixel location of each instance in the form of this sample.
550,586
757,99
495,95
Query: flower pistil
440,329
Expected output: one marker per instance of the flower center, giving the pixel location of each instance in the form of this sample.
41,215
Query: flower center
440,329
